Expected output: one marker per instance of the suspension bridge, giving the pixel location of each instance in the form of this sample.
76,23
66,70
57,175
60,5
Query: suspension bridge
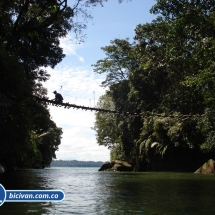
117,112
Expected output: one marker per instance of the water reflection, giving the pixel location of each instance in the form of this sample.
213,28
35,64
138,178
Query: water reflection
88,191
155,193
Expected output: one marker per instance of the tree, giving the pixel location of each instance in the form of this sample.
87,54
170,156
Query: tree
169,77
29,42
117,64
14,121
49,143
192,39
23,120
105,125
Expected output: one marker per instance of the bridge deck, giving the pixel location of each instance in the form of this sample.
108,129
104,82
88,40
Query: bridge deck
142,114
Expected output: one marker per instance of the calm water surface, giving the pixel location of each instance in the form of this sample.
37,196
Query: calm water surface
88,191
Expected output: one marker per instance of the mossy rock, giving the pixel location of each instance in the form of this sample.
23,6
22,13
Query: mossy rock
208,167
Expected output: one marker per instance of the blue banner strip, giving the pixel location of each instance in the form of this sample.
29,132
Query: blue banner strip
34,195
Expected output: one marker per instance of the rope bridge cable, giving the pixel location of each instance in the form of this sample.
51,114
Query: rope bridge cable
142,114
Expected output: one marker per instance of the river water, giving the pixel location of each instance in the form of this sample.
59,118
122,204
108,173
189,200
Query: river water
88,191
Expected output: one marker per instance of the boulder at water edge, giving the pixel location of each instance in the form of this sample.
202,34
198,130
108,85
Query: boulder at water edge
106,165
207,167
116,165
121,166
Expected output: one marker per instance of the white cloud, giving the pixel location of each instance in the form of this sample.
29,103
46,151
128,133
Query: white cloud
81,59
69,48
79,86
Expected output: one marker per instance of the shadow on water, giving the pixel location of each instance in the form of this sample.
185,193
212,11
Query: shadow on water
156,193
22,180
88,191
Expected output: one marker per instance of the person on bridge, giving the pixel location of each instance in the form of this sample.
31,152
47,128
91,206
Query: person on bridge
58,97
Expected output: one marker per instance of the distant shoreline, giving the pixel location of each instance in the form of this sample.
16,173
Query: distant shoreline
75,163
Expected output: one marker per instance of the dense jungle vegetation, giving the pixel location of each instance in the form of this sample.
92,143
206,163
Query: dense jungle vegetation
30,31
167,72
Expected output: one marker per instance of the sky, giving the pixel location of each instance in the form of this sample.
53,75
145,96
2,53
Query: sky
75,80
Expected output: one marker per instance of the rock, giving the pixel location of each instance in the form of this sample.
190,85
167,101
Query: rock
121,166
208,167
116,165
123,163
105,166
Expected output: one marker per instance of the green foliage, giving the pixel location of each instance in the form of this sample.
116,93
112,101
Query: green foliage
30,41
206,125
105,126
22,119
14,124
48,144
117,153
169,70
117,63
